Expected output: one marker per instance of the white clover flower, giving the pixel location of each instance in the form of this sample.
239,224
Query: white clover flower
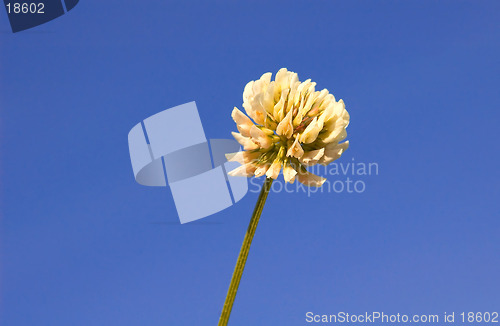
293,126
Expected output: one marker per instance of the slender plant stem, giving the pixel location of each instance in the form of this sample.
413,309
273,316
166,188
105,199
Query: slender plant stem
242,257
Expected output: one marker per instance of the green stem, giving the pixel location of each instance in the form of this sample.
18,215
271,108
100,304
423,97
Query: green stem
242,257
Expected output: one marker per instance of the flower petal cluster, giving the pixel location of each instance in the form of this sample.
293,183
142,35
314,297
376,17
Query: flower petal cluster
288,126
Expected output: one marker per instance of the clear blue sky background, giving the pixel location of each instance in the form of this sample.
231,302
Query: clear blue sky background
83,244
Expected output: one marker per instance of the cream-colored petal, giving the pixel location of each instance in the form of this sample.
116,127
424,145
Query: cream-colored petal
243,123
300,106
267,101
291,94
251,110
312,157
335,131
309,179
298,119
333,152
258,110
266,78
340,137
308,106
274,169
282,78
258,115
258,86
299,95
279,108
328,112
289,173
293,79
295,150
285,127
243,157
261,170
339,108
321,96
246,142
346,117
245,170
311,132
329,98
260,137
248,91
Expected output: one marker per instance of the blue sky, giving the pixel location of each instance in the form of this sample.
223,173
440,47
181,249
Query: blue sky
83,244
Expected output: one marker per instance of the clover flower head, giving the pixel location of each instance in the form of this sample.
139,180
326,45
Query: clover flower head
289,126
